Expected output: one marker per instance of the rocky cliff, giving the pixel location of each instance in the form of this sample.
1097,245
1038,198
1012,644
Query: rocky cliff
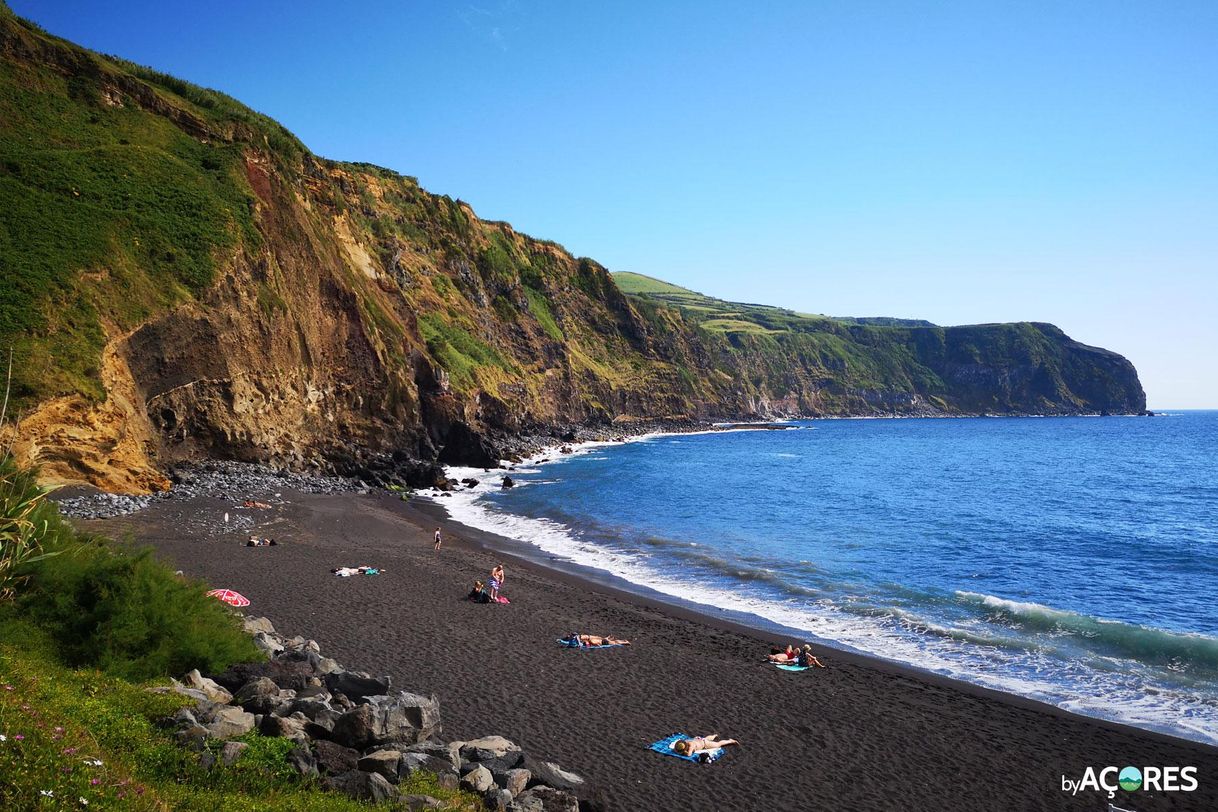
182,278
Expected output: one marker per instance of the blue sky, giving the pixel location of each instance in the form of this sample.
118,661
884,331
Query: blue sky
957,161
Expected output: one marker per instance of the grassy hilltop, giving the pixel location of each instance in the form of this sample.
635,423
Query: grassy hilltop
184,278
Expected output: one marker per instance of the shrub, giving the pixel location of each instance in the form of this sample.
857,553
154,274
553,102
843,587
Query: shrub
122,611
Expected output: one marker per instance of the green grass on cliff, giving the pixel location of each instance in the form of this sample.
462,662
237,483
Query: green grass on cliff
107,214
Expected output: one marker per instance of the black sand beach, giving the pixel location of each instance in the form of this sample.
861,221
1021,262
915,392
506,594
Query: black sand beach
861,734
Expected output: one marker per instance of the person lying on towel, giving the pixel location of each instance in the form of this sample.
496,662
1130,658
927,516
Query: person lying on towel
594,640
701,744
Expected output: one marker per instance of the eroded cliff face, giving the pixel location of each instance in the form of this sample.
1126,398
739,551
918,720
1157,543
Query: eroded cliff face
235,296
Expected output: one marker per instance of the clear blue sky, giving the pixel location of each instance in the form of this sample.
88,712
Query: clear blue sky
956,161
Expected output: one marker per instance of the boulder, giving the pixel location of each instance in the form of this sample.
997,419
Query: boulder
478,780
412,763
355,686
494,746
231,751
508,483
544,799
267,644
551,775
464,446
362,786
450,752
403,718
254,625
227,722
210,688
285,727
383,762
193,738
334,759
418,803
496,799
514,781
302,760
259,695
501,764
327,665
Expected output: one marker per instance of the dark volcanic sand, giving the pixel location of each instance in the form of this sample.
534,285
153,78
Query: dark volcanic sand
859,735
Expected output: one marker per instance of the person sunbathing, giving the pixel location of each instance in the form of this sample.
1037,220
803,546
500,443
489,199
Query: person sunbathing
701,744
787,656
596,640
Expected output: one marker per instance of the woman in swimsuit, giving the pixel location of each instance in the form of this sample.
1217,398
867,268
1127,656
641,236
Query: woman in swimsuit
594,640
788,656
701,744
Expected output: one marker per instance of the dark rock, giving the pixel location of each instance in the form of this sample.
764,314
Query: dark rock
406,718
508,483
362,786
231,751
514,781
192,738
544,799
333,758
412,763
448,780
384,762
302,760
464,446
447,752
478,780
503,763
283,727
418,803
259,695
496,799
357,686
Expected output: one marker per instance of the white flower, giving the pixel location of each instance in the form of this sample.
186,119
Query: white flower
46,793
83,801
3,738
93,762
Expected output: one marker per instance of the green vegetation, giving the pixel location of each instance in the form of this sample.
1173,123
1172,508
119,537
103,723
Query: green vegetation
107,214
541,311
458,352
67,735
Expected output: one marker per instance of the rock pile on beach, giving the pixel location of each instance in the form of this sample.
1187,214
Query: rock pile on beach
357,734
219,479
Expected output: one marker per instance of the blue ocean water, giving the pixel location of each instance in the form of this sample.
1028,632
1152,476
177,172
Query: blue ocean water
1072,560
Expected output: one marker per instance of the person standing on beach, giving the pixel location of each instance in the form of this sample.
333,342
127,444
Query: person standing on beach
496,581
437,548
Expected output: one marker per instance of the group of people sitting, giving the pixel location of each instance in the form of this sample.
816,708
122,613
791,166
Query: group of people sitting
347,572
793,656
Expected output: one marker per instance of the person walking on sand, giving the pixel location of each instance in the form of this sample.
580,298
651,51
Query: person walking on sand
437,547
496,581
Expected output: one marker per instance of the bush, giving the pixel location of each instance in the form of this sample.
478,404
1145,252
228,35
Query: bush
126,613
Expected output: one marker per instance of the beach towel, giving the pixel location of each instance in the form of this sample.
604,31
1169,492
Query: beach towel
347,572
501,599
791,667
664,747
565,643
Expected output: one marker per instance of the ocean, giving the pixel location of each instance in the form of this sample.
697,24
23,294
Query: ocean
1069,560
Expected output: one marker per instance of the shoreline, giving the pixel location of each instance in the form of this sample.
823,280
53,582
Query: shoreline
764,632
863,733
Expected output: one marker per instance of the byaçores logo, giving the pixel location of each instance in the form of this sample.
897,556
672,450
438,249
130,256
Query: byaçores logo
1132,779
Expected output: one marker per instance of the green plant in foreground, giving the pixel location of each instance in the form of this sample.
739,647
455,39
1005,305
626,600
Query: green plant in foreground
25,523
81,739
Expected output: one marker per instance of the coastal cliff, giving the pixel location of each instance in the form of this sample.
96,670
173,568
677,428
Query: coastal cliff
184,279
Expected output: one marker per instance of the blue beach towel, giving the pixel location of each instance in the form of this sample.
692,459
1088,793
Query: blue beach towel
789,667
565,643
664,747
